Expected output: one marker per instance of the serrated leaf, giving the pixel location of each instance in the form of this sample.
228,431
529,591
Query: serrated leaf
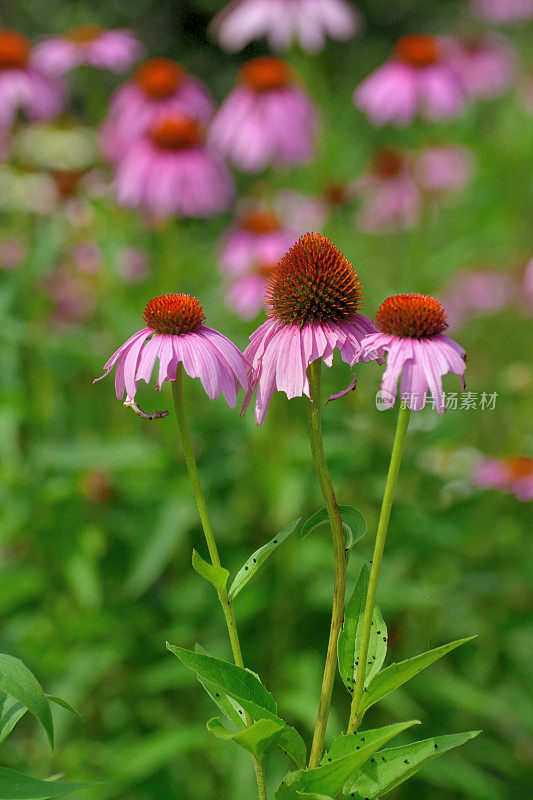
11,711
257,738
232,710
217,576
19,682
353,522
397,674
250,567
349,642
64,704
329,778
395,765
15,786
246,688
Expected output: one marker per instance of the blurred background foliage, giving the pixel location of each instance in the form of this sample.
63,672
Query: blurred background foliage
98,522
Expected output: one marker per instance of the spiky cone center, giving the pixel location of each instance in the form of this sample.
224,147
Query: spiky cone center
176,132
413,316
260,221
85,34
159,77
520,467
174,314
418,50
14,50
313,283
265,73
387,163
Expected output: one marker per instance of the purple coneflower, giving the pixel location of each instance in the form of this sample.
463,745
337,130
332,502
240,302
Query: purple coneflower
313,298
169,170
115,50
477,293
410,331
485,66
283,21
176,334
441,170
267,118
416,80
510,12
513,474
391,199
246,295
158,85
23,86
257,238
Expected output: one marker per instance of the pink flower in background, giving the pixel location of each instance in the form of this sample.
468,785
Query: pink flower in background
13,253
267,119
504,11
73,296
308,22
158,85
440,170
176,334
313,297
170,171
390,197
300,212
246,295
132,265
257,238
416,80
513,475
477,293
115,50
87,257
24,87
411,333
486,67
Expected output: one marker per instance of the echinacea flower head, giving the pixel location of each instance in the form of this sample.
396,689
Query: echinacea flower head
93,45
158,85
513,474
391,200
283,21
246,295
23,85
505,12
417,80
410,331
475,293
267,119
441,170
169,171
258,237
175,334
313,297
485,66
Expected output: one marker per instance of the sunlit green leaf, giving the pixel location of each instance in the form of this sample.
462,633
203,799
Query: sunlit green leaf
353,522
395,765
218,576
330,777
250,567
350,637
397,674
10,713
257,738
15,786
17,681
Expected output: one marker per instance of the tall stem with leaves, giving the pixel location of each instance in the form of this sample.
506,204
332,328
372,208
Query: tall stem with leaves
381,535
339,555
225,601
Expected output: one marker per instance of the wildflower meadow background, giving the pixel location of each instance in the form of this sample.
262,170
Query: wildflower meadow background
97,518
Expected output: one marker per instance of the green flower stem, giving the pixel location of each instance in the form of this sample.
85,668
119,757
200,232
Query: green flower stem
225,601
381,535
339,553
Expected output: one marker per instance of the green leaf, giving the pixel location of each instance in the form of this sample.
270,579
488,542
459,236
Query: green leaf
17,681
257,738
353,522
329,778
233,711
350,637
347,743
246,688
15,786
258,558
218,576
10,713
396,764
64,704
397,674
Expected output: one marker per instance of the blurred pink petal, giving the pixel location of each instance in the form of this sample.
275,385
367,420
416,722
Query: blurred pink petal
115,50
